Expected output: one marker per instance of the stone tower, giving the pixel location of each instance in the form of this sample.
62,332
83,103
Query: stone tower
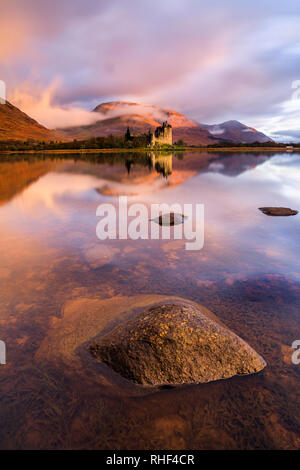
162,135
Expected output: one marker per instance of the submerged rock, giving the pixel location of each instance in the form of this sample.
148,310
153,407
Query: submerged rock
278,211
170,219
175,344
98,255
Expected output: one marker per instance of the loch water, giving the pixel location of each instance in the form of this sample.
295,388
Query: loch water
60,286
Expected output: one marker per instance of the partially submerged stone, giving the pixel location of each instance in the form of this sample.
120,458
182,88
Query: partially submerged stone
175,344
170,219
278,211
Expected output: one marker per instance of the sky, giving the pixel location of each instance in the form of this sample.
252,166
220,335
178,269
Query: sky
210,60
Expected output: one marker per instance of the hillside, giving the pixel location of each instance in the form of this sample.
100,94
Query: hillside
16,125
110,126
116,116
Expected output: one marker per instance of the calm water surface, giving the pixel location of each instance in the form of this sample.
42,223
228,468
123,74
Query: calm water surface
60,286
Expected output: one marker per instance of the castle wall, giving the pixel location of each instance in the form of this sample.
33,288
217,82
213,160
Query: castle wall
162,135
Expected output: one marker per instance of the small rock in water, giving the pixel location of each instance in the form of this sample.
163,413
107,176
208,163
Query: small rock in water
170,219
175,344
278,211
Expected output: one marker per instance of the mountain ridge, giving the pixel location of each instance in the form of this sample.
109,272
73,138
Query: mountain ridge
236,131
116,116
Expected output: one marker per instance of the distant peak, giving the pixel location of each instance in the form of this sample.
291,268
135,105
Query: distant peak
233,122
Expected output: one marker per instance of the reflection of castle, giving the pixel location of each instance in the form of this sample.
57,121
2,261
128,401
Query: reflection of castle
162,164
161,135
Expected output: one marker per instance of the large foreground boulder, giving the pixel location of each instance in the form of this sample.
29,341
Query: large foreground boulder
175,344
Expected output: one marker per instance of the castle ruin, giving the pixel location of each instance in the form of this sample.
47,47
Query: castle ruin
161,135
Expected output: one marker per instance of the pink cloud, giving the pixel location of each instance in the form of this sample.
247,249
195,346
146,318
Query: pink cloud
210,60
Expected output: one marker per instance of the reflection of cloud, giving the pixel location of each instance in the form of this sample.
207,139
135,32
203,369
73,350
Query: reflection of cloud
282,173
49,191
271,253
239,240
237,237
114,189
53,191
216,166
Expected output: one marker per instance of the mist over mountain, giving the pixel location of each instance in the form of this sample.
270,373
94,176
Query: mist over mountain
113,118
116,116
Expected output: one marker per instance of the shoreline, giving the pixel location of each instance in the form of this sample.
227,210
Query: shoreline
143,150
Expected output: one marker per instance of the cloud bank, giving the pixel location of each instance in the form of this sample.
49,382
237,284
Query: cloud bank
213,61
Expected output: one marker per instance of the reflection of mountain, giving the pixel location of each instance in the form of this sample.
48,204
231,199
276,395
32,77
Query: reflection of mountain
140,174
135,183
15,176
231,164
123,168
234,165
132,173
